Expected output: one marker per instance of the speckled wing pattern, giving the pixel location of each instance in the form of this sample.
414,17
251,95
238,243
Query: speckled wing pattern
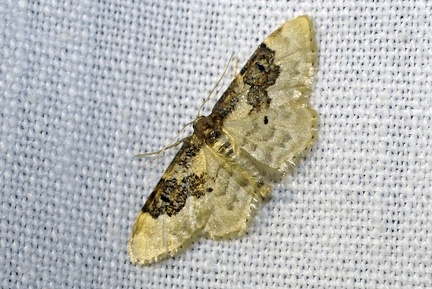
256,133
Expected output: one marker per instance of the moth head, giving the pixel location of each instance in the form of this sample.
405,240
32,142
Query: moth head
206,129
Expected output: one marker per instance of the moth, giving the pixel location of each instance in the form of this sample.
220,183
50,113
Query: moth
256,133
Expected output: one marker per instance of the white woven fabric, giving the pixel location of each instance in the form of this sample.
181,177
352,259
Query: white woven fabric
86,84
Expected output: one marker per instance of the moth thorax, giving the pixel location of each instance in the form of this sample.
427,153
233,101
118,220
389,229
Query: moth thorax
206,129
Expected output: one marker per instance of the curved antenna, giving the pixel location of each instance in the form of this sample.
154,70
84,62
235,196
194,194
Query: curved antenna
216,85
173,144
176,143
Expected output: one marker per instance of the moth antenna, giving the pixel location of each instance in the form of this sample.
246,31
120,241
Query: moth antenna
216,85
152,159
235,66
155,154
176,143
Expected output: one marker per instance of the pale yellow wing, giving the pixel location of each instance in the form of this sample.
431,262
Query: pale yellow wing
236,190
279,71
202,190
176,210
276,137
272,120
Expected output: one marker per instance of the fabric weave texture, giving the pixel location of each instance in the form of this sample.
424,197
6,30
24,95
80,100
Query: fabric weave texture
84,85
